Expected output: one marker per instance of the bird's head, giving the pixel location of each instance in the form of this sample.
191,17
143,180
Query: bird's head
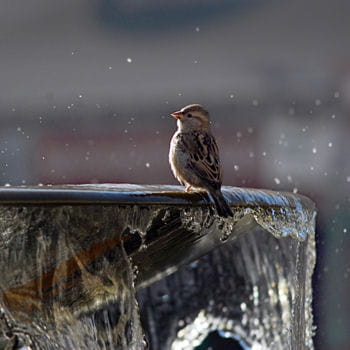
192,117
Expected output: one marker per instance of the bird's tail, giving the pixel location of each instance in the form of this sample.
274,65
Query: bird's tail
221,205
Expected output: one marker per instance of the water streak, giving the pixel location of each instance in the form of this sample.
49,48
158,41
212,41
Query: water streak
75,254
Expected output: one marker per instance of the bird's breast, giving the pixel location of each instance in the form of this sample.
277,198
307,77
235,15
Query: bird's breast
177,154
178,157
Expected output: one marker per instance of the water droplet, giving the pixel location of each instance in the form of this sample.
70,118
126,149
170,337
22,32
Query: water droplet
236,167
129,60
197,29
291,111
314,150
330,144
277,180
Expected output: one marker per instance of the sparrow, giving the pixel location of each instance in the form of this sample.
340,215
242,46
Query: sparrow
194,155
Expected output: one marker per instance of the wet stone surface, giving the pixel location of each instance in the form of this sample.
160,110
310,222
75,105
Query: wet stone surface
77,254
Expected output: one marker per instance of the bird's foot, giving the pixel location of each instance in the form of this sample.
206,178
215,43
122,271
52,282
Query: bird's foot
188,188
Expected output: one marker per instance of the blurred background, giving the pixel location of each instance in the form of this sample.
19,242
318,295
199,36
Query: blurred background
86,88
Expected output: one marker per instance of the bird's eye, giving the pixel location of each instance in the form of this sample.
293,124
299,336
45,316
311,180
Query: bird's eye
189,115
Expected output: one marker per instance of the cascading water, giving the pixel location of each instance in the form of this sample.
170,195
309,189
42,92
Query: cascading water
59,275
73,257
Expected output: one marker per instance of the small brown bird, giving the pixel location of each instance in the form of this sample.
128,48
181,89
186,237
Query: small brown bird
194,155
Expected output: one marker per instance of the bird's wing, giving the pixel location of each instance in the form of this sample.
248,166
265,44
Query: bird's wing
204,159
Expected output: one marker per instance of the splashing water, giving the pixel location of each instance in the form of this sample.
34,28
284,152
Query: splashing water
73,263
255,288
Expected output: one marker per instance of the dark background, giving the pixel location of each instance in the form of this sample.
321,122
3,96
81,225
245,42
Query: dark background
86,88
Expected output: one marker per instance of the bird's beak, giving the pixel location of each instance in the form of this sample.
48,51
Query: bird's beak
177,114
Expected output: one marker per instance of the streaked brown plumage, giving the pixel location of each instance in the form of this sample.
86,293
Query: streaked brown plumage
194,155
